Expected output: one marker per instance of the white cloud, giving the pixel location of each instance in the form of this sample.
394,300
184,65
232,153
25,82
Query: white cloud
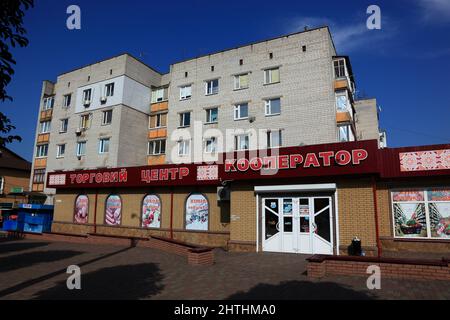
435,10
348,37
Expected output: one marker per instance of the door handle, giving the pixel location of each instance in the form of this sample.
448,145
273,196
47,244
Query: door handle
314,227
278,226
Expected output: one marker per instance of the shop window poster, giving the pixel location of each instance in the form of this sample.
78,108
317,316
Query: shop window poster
151,212
440,219
113,210
197,211
410,220
81,209
412,195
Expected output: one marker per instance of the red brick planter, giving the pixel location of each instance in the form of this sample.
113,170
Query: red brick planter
201,257
320,266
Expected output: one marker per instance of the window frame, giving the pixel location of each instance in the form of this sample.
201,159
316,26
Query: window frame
39,148
109,90
43,129
77,151
208,115
186,147
88,122
155,97
213,91
61,127
60,147
214,145
40,174
269,138
237,81
268,105
67,100
85,91
103,143
237,141
268,77
237,108
339,67
104,116
48,103
157,145
182,119
183,95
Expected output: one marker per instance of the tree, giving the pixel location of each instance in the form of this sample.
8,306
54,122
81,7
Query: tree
11,34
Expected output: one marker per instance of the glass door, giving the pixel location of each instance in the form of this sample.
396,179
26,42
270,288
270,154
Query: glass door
321,221
271,225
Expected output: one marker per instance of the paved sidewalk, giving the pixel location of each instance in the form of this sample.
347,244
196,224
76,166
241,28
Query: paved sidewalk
37,270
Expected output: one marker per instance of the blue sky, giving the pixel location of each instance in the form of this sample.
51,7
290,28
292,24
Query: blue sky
405,65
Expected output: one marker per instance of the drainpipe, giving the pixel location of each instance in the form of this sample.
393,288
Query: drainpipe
95,212
375,207
171,213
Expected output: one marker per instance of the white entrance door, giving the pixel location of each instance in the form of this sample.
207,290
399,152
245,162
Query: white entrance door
297,224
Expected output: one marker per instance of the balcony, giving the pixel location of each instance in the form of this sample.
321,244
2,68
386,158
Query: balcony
156,160
43,137
40,163
159,106
157,133
342,117
46,115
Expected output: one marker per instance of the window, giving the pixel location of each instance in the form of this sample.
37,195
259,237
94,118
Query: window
48,103
39,176
66,100
272,75
44,127
151,212
197,212
346,133
185,92
113,210
109,90
103,145
421,213
241,81
212,68
185,119
273,107
160,94
212,87
241,142
41,150
87,96
212,115
274,139
341,101
64,125
241,62
183,147
158,121
241,111
339,68
270,55
60,150
85,121
81,148
211,145
156,147
81,209
107,117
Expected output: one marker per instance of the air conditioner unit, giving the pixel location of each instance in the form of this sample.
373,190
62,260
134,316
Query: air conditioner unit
86,103
251,119
223,194
103,99
78,131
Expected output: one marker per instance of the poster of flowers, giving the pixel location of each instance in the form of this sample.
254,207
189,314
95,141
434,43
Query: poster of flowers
197,211
113,210
81,209
151,212
440,219
410,220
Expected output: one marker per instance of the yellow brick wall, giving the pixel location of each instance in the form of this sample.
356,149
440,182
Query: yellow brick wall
356,212
243,214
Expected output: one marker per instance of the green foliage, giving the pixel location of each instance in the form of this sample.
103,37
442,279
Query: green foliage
11,34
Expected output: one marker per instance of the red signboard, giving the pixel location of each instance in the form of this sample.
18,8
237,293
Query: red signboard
336,159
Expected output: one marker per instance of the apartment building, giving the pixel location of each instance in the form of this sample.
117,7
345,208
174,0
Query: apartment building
292,90
93,117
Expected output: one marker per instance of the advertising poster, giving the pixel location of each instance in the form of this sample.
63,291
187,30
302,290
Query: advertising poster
81,209
440,219
113,210
197,211
410,220
408,196
151,212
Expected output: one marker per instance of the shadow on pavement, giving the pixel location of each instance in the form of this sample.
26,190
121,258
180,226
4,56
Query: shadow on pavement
23,260
300,290
120,282
6,246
